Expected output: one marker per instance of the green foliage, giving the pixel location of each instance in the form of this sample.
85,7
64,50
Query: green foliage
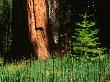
5,25
56,70
85,40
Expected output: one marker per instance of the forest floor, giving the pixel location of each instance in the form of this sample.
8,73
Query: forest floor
65,69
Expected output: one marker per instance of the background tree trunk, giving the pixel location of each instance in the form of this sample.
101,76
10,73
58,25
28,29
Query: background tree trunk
103,18
54,18
37,23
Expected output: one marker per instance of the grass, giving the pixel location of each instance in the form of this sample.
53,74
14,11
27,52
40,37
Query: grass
65,69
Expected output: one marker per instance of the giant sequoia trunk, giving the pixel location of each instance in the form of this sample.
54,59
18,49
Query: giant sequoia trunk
37,23
20,46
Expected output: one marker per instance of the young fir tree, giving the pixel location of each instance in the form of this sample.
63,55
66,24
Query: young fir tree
85,40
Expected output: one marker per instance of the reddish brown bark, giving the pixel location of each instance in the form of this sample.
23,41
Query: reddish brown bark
37,22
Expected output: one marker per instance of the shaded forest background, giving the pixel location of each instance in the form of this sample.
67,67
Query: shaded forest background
14,41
